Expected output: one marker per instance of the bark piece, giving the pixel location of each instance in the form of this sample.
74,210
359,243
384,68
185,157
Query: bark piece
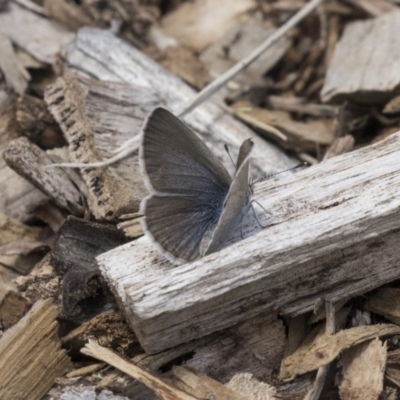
29,161
326,348
194,24
14,74
365,62
386,302
39,36
103,56
363,370
31,357
329,241
85,293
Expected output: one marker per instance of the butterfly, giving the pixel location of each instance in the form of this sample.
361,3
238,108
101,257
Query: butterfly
194,204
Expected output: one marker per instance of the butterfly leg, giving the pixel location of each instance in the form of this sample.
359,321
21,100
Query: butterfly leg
241,226
255,214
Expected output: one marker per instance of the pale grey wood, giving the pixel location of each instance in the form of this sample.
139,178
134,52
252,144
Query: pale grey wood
101,55
366,61
39,36
333,233
9,66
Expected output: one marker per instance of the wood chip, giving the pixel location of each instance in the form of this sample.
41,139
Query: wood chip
363,369
201,386
31,357
251,388
29,161
184,63
339,146
18,196
40,37
198,24
374,8
68,14
278,126
313,225
14,240
12,308
254,346
386,302
360,74
326,348
393,106
7,284
236,45
15,77
34,121
161,387
298,105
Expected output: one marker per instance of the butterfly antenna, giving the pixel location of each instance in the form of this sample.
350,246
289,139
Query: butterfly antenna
229,154
303,164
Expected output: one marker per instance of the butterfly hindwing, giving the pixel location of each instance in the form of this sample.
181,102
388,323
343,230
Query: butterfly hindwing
178,224
236,201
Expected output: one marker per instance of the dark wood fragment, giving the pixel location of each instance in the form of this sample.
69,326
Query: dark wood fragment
78,242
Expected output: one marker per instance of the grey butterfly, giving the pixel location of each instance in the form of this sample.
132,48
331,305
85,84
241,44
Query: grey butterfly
194,204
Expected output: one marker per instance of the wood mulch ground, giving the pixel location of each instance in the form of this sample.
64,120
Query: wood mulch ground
305,308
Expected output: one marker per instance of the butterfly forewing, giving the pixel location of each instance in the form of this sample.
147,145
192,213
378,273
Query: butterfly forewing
177,161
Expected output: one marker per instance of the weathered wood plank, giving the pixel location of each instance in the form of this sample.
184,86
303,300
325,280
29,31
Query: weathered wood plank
333,232
365,62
